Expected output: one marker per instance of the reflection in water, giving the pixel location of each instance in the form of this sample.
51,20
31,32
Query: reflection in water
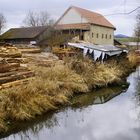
137,92
97,97
97,116
49,121
26,129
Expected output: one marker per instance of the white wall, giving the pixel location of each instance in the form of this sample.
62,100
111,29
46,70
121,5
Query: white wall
72,16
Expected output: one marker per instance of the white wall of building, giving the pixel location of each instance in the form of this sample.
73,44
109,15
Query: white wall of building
72,17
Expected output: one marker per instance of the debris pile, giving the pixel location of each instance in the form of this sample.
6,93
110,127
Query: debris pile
42,59
13,68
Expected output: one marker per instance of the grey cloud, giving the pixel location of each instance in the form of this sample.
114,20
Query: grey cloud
15,10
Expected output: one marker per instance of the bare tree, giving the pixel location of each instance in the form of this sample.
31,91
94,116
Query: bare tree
43,18
2,22
56,38
51,22
137,29
33,19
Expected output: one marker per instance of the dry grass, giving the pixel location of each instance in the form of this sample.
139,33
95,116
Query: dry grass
94,74
62,78
133,58
3,126
55,86
51,86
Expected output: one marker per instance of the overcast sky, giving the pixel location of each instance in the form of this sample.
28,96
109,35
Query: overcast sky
16,10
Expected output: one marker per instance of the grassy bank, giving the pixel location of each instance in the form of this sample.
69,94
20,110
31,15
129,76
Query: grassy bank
56,85
129,39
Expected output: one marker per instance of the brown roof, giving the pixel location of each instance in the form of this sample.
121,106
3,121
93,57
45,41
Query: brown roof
83,26
92,17
25,32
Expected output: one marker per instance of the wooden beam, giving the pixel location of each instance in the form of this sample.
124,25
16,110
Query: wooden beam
18,76
16,83
10,55
13,60
8,67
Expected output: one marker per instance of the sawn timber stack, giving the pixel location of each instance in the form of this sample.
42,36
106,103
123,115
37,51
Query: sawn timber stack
12,70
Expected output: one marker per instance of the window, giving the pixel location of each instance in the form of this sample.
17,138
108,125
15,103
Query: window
110,36
92,35
82,37
106,36
102,35
97,35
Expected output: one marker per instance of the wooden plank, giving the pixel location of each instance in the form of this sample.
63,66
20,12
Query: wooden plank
13,72
30,50
11,55
8,67
15,77
16,83
13,60
8,73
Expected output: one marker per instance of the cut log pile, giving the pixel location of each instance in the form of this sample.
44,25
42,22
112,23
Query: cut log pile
12,70
11,52
28,48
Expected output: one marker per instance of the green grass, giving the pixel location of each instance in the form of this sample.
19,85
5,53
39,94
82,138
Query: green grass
131,39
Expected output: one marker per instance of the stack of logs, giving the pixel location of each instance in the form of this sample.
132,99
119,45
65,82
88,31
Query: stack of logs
10,52
13,70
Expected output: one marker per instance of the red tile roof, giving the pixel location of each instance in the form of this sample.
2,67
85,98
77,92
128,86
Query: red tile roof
93,17
83,26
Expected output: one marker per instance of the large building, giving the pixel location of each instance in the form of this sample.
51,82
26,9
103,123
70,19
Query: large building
87,26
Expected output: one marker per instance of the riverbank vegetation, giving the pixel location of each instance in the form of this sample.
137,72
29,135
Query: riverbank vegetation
56,85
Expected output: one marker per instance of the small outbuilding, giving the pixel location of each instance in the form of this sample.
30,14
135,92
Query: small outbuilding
24,35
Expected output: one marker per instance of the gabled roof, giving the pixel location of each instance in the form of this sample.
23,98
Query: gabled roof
92,17
25,32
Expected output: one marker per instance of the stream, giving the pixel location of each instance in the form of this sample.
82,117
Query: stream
106,114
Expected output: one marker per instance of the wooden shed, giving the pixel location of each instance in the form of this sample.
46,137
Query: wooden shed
24,35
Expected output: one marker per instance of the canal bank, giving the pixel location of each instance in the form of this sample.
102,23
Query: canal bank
116,119
55,86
